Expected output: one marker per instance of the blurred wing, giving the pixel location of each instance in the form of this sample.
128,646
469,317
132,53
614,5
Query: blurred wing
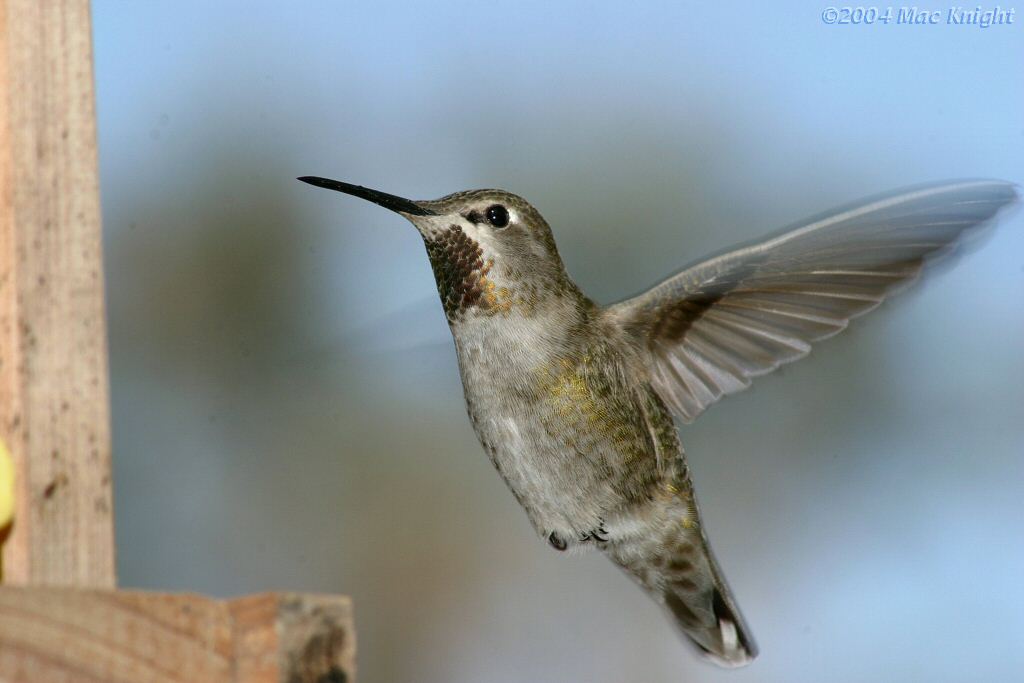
714,326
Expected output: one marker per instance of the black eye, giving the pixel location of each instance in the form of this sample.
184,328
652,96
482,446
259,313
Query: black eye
497,216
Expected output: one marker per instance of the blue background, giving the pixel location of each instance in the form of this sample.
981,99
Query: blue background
287,409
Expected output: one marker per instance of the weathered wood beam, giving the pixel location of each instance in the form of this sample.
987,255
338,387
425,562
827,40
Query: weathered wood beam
51,635
54,418
54,410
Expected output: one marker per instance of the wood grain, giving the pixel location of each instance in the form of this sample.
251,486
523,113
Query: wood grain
54,414
58,635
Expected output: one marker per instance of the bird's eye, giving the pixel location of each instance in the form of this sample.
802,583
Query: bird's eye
497,215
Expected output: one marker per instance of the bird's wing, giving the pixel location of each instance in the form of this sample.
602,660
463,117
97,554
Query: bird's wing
716,325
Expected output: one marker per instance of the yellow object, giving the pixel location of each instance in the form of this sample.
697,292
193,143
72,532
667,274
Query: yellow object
6,487
6,498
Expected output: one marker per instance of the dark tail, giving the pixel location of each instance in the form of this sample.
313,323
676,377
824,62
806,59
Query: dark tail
680,573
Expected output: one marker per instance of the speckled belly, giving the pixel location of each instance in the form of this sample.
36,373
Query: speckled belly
572,443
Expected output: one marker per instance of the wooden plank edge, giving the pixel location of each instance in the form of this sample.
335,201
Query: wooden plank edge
57,634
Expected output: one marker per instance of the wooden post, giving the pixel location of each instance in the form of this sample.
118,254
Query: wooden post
53,371
62,620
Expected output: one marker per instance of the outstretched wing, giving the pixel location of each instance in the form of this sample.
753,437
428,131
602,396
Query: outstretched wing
716,325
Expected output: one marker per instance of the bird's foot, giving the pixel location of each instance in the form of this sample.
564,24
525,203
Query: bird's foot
598,535
557,542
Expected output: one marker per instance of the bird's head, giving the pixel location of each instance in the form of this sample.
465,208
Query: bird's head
491,251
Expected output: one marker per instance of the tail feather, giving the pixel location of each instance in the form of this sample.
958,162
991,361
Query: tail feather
680,573
724,638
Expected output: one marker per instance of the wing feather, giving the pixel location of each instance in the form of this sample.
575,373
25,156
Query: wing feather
716,325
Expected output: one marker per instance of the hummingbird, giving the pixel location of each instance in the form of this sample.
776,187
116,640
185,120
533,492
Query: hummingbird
574,402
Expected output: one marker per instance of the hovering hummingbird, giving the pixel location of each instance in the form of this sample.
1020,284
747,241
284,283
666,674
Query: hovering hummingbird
574,401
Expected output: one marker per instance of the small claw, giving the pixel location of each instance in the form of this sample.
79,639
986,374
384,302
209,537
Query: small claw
599,535
557,542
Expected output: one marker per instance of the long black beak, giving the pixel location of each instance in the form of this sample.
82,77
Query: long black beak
388,201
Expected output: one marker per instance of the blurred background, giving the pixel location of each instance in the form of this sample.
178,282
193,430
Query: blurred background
287,407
